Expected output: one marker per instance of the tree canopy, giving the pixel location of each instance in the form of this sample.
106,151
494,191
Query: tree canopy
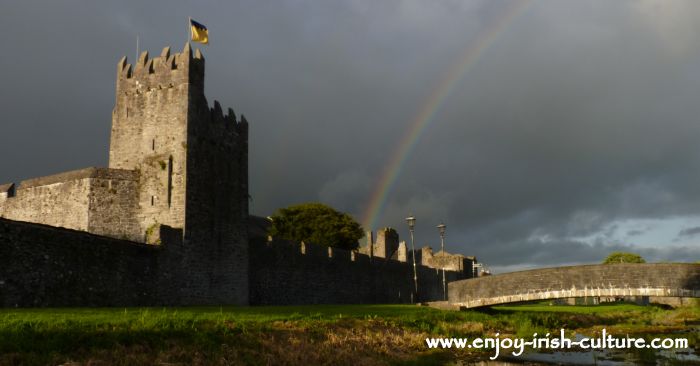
622,257
316,223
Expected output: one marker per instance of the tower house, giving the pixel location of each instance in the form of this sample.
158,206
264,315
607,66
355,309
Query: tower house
192,165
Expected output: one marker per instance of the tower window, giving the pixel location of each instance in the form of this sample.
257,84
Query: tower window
153,200
170,180
153,144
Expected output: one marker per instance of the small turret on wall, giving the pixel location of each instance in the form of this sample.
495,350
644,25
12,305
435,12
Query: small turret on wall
385,246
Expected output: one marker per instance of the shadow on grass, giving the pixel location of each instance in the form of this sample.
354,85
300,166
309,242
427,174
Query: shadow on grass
437,358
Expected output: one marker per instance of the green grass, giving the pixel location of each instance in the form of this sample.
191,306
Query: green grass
168,319
41,336
578,309
340,334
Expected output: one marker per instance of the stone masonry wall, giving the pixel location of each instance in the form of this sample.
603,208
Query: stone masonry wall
48,204
284,273
47,266
387,243
93,199
650,279
453,262
216,212
112,206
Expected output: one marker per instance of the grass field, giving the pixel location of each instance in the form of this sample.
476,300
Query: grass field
591,309
348,334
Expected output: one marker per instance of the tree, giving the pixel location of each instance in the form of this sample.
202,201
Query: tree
622,257
316,223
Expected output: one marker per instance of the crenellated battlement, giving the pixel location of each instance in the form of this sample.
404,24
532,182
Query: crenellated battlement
169,79
163,63
315,251
227,125
161,72
285,272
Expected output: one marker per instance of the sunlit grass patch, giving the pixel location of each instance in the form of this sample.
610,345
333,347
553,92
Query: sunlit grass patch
580,309
313,334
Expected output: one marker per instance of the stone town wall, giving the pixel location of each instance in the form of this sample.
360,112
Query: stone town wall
42,265
94,199
285,273
626,279
46,266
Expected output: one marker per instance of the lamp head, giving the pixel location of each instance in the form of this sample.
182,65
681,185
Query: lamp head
411,222
442,227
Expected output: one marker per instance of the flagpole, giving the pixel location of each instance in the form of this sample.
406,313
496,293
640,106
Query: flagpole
137,48
189,28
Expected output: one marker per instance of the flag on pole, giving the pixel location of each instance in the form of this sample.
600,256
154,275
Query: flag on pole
199,32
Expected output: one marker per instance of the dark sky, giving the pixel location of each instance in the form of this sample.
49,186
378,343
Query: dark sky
573,133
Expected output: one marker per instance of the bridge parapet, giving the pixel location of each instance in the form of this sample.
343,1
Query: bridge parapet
604,280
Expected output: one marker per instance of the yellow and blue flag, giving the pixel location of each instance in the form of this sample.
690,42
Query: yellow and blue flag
199,32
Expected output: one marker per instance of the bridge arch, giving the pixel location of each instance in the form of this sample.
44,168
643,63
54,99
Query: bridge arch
605,280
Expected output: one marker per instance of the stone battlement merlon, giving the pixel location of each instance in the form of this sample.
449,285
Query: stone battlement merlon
5,188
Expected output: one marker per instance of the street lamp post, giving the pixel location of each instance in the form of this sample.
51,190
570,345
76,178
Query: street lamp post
442,228
411,224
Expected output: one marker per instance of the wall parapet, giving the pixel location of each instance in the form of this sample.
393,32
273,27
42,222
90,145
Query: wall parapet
283,272
166,62
625,279
92,172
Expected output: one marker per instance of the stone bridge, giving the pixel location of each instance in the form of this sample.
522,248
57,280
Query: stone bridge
605,280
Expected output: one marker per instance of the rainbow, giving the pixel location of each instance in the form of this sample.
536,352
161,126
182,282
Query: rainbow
436,99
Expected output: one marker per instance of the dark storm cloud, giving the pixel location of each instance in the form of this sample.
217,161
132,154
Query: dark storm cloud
689,232
540,253
577,116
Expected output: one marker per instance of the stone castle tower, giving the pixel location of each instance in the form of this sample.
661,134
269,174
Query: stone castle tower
173,163
192,160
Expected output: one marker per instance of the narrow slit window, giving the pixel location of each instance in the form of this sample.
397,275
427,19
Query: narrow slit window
153,200
153,144
170,180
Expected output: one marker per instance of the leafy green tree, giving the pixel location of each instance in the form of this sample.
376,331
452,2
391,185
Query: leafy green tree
316,223
622,257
